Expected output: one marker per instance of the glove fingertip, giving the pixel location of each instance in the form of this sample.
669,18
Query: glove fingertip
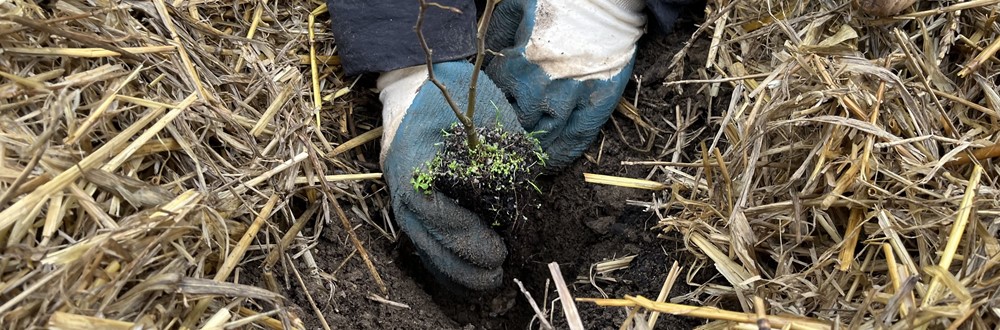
446,264
454,227
504,25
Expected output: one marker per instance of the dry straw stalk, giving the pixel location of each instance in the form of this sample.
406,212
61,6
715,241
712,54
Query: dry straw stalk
151,151
861,159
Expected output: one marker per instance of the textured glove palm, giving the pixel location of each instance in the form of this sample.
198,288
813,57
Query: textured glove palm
453,242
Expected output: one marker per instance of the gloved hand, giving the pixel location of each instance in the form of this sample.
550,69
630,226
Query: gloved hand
453,242
566,64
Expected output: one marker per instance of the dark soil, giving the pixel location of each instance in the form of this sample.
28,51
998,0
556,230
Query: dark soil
495,179
578,224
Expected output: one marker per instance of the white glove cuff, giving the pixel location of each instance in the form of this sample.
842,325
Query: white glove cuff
587,39
397,89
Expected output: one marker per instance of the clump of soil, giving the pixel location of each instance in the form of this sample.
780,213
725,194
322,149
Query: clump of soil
495,179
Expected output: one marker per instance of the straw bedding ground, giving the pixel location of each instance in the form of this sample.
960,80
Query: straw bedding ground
852,180
149,148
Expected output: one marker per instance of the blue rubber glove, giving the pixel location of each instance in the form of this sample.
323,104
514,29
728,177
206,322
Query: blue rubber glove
453,243
565,64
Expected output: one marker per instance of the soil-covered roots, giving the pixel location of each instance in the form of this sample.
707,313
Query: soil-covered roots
493,180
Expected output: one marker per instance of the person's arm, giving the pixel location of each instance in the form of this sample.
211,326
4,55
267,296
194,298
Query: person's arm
375,36
565,64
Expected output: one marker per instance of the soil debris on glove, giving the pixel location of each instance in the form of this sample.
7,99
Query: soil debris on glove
495,180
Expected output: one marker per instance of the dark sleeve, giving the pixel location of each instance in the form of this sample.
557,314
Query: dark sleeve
379,35
666,12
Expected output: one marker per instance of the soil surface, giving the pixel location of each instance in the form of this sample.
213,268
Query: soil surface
577,225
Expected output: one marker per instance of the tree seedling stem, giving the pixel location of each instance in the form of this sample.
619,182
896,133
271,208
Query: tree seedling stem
486,170
472,137
484,24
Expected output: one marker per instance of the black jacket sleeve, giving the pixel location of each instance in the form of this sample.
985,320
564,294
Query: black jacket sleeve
379,35
665,13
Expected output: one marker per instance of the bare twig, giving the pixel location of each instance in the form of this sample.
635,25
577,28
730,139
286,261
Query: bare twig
470,128
484,24
534,306
312,302
387,302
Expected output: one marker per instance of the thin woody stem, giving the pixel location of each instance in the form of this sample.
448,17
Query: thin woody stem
470,129
484,24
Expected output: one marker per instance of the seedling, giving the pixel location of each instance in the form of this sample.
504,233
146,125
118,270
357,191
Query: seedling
494,179
488,170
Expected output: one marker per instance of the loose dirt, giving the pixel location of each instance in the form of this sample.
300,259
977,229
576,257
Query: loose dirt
578,224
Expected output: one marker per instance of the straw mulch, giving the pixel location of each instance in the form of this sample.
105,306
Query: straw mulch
149,149
852,181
